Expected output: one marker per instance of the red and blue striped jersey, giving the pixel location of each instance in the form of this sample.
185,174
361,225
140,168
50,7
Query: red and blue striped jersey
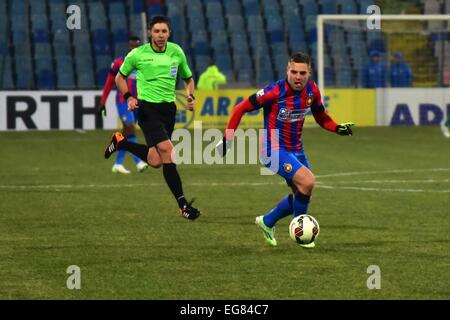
285,110
110,82
284,114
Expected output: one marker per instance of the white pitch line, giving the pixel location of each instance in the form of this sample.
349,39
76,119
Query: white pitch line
380,189
392,181
355,173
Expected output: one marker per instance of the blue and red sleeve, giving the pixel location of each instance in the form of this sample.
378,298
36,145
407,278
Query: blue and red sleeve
252,103
110,79
318,111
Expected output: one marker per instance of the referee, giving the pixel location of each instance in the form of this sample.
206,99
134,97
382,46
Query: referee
158,64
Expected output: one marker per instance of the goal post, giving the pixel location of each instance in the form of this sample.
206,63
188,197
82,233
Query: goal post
345,39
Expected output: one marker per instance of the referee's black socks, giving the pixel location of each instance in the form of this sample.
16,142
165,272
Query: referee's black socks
173,180
140,150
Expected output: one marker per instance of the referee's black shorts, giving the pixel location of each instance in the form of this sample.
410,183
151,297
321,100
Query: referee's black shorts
157,121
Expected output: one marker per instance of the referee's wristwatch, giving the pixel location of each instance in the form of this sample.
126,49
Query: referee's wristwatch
191,96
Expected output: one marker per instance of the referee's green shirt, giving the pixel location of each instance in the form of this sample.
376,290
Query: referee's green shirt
156,71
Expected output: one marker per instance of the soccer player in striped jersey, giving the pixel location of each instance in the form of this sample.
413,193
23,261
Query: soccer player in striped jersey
128,118
285,104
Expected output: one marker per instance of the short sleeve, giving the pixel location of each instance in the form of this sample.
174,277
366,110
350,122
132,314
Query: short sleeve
185,71
263,97
129,64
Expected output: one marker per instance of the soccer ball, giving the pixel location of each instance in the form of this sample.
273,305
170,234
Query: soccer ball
304,229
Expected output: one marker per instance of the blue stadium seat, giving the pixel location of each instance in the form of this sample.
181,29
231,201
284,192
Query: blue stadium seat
64,72
213,10
201,63
309,8
235,23
255,23
242,61
245,75
103,65
232,7
347,6
24,73
40,35
137,6
118,22
223,61
155,10
329,76
216,23
276,36
45,80
251,8
39,21
120,35
274,23
344,78
42,50
100,41
328,6
265,76
120,49
116,8
7,82
196,23
201,48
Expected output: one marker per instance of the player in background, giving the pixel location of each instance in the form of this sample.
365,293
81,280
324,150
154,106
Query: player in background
128,118
158,64
285,104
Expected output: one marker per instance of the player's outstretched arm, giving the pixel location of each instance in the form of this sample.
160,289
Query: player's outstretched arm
244,106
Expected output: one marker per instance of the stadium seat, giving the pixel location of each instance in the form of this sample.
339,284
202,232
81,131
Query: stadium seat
309,8
232,7
7,82
40,36
328,6
344,78
45,80
155,10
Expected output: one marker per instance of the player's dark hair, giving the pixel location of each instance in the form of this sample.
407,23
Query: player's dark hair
134,38
300,57
158,19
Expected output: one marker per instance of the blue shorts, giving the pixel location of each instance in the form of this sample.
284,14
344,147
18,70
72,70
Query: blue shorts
288,163
127,117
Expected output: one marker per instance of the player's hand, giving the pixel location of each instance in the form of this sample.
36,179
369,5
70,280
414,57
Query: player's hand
190,102
344,129
132,103
223,146
101,110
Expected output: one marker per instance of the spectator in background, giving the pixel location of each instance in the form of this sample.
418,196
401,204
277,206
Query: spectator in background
374,72
401,75
211,78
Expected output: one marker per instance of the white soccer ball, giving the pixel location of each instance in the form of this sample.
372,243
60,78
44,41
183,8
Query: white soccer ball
304,229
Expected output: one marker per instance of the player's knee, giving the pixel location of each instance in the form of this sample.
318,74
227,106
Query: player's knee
129,130
165,149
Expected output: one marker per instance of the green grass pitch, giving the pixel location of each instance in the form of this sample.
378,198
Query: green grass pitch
382,198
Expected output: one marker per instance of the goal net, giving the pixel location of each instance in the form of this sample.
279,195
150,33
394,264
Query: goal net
405,57
348,51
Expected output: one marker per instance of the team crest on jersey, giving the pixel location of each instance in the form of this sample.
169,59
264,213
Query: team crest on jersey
287,167
309,100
